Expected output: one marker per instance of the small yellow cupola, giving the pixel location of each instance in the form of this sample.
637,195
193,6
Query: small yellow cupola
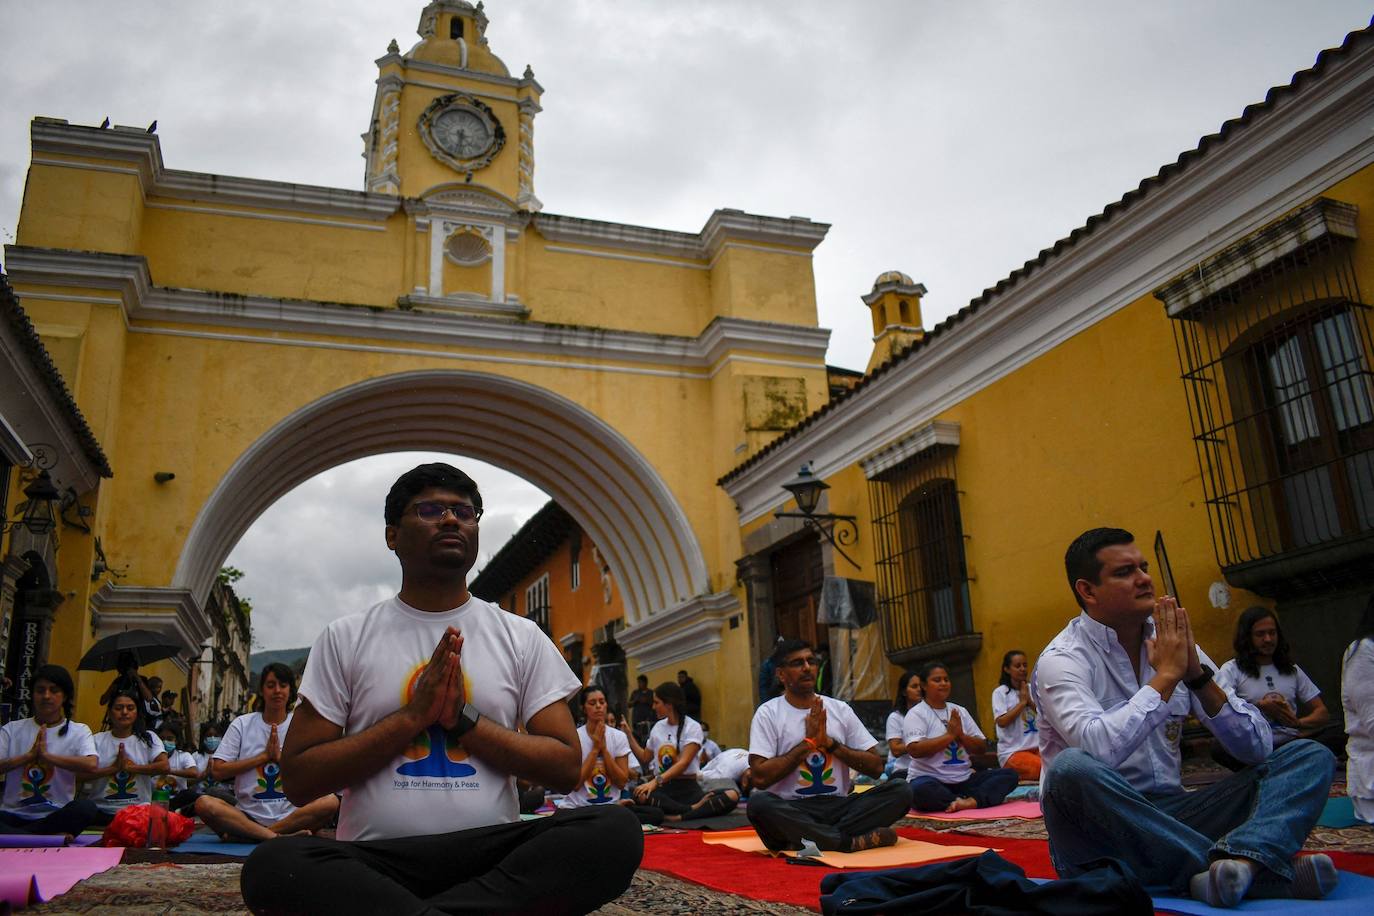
895,302
448,114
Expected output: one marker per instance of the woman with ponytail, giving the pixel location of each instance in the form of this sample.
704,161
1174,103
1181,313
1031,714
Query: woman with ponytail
130,755
672,793
41,759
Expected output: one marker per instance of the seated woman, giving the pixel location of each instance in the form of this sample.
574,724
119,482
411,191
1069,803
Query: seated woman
41,759
673,793
940,736
605,755
130,755
1264,674
1018,740
250,754
182,776
908,695
1357,695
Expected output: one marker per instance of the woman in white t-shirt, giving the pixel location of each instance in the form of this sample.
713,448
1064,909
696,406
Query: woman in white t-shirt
130,755
1018,740
1357,696
908,695
41,758
674,746
250,754
940,738
605,755
1264,674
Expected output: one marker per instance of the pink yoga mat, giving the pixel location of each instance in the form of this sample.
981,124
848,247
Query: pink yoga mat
38,874
1026,809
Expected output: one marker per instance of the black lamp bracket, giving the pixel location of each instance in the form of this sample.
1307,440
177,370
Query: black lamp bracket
837,529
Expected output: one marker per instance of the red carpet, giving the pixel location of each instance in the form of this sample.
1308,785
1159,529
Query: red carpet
684,855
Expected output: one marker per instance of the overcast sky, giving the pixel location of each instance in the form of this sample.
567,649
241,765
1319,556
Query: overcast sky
952,141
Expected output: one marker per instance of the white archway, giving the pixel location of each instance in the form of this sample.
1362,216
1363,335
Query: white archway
584,464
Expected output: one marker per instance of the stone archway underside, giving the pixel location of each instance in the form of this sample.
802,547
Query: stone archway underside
575,457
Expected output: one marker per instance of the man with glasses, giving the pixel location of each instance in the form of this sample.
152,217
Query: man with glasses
801,749
422,711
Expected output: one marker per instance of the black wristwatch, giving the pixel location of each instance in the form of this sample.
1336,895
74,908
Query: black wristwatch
467,721
1202,680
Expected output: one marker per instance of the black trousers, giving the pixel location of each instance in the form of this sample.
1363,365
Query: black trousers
570,862
828,821
73,817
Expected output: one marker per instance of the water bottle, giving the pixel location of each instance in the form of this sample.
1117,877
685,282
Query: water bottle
157,817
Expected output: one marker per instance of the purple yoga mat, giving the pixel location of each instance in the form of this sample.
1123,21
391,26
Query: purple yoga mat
36,840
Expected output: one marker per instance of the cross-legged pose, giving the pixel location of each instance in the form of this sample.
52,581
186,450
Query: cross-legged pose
940,737
801,749
423,710
605,755
129,756
1113,689
41,759
1018,739
673,792
251,755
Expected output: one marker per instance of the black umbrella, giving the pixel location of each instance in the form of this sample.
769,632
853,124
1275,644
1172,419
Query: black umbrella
145,646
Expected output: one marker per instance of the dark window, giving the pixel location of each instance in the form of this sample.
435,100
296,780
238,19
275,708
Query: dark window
455,27
923,591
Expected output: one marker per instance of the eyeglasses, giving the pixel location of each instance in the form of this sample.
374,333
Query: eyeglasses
429,511
808,662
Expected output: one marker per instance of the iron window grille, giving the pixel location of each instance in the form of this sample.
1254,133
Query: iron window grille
537,603
1275,353
922,576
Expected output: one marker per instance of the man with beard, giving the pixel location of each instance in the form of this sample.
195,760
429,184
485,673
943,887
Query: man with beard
423,711
801,749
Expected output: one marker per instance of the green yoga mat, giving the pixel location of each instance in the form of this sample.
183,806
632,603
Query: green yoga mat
1338,813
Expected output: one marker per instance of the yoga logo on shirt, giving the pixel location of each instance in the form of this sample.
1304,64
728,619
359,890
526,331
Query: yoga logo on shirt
954,755
437,761
599,787
121,787
1029,715
667,756
816,774
269,778
165,782
35,783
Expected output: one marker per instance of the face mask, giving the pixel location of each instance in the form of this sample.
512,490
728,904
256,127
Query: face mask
211,743
169,746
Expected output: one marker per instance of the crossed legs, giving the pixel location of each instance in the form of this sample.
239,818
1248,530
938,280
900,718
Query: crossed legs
228,821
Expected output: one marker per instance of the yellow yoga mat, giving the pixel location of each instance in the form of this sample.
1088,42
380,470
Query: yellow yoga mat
906,852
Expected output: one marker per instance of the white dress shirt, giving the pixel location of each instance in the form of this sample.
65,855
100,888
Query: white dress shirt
1089,698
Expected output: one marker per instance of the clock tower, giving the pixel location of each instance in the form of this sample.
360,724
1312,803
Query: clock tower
448,114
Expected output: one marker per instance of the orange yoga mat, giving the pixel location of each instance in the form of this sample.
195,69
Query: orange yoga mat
906,852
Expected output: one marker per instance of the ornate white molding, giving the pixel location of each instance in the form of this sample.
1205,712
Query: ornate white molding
939,432
683,631
167,610
1310,141
721,229
141,301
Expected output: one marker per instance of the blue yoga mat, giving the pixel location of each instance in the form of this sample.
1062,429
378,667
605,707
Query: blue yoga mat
1338,813
209,844
1354,894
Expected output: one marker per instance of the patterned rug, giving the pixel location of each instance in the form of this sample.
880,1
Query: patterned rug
149,889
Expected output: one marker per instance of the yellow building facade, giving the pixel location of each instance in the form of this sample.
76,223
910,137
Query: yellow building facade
1193,365
229,338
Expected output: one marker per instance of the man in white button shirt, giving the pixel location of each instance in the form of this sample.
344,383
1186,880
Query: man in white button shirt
1113,689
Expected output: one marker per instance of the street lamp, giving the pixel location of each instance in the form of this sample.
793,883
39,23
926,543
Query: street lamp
806,489
39,516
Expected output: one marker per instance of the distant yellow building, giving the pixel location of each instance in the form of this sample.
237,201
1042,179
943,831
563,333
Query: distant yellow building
1193,364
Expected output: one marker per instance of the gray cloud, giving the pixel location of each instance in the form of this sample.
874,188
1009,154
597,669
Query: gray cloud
952,141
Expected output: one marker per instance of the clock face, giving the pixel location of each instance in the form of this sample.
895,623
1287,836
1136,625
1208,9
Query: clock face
462,133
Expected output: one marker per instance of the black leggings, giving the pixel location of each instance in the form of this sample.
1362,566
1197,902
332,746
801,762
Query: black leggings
570,862
677,797
73,817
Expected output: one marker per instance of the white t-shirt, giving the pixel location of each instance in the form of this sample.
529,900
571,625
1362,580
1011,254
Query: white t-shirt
38,790
1297,688
728,764
709,750
895,730
363,668
121,789
779,726
1021,734
950,765
664,751
258,790
176,760
598,790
